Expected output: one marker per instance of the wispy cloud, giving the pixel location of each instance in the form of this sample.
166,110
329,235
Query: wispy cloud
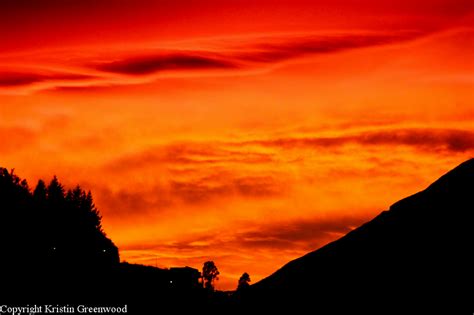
243,55
196,191
308,233
189,153
256,52
218,186
204,173
303,235
450,140
273,50
254,152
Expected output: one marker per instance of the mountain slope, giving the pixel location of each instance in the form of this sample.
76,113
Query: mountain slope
418,253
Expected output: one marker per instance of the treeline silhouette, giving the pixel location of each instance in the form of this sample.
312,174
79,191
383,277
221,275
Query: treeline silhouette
53,249
50,227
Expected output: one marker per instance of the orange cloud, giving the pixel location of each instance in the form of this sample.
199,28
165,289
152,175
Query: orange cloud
14,138
218,186
189,153
284,240
193,192
305,234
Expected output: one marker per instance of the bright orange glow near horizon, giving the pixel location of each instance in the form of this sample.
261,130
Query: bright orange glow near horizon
244,132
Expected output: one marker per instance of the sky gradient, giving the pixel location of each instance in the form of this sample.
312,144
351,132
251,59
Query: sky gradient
245,132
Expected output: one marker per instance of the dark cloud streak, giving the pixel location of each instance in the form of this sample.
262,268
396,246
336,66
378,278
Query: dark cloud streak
278,50
450,140
142,65
16,79
266,51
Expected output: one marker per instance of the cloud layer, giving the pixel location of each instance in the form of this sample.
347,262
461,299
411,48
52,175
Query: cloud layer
212,174
142,65
448,140
247,54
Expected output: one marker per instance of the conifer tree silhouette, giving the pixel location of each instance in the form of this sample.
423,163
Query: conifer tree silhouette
50,227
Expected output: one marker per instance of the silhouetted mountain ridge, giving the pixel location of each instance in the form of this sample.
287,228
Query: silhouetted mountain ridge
417,253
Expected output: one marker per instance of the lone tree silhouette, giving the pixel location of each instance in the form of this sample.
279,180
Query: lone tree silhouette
210,274
244,282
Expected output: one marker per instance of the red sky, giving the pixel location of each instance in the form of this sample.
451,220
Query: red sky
246,132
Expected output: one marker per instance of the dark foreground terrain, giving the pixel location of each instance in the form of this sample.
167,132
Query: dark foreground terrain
415,256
